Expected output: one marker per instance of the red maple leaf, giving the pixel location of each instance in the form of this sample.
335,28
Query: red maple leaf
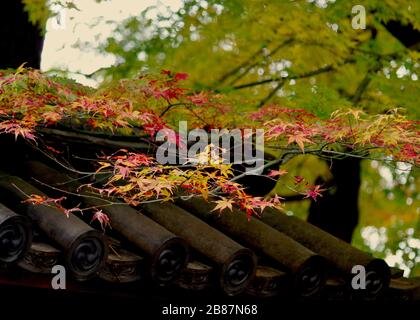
299,179
67,212
181,76
314,192
54,150
102,218
199,98
275,173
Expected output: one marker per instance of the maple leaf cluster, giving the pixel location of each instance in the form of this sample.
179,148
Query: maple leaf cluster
359,134
142,106
137,179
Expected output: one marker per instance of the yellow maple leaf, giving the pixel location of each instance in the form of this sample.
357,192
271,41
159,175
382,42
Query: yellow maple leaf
223,204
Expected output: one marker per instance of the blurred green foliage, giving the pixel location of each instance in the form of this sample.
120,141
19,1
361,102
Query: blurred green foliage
226,44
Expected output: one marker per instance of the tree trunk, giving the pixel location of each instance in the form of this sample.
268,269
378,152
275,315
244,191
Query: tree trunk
337,212
21,41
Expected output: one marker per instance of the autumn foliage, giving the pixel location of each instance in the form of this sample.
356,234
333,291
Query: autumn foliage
138,108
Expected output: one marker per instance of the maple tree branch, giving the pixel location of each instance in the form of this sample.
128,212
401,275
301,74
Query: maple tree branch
238,68
243,74
267,165
394,55
91,195
33,145
249,64
170,106
331,154
271,94
361,88
363,85
275,79
273,52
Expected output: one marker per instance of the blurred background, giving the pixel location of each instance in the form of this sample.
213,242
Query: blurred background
296,54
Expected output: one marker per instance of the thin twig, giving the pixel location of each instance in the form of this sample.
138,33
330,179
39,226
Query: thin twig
253,65
170,106
271,94
297,76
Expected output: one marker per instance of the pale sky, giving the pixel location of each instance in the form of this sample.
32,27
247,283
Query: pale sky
88,25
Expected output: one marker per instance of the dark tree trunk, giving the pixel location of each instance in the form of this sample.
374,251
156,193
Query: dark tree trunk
20,40
337,212
406,34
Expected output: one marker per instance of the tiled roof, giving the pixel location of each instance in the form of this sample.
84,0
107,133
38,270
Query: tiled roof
179,245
